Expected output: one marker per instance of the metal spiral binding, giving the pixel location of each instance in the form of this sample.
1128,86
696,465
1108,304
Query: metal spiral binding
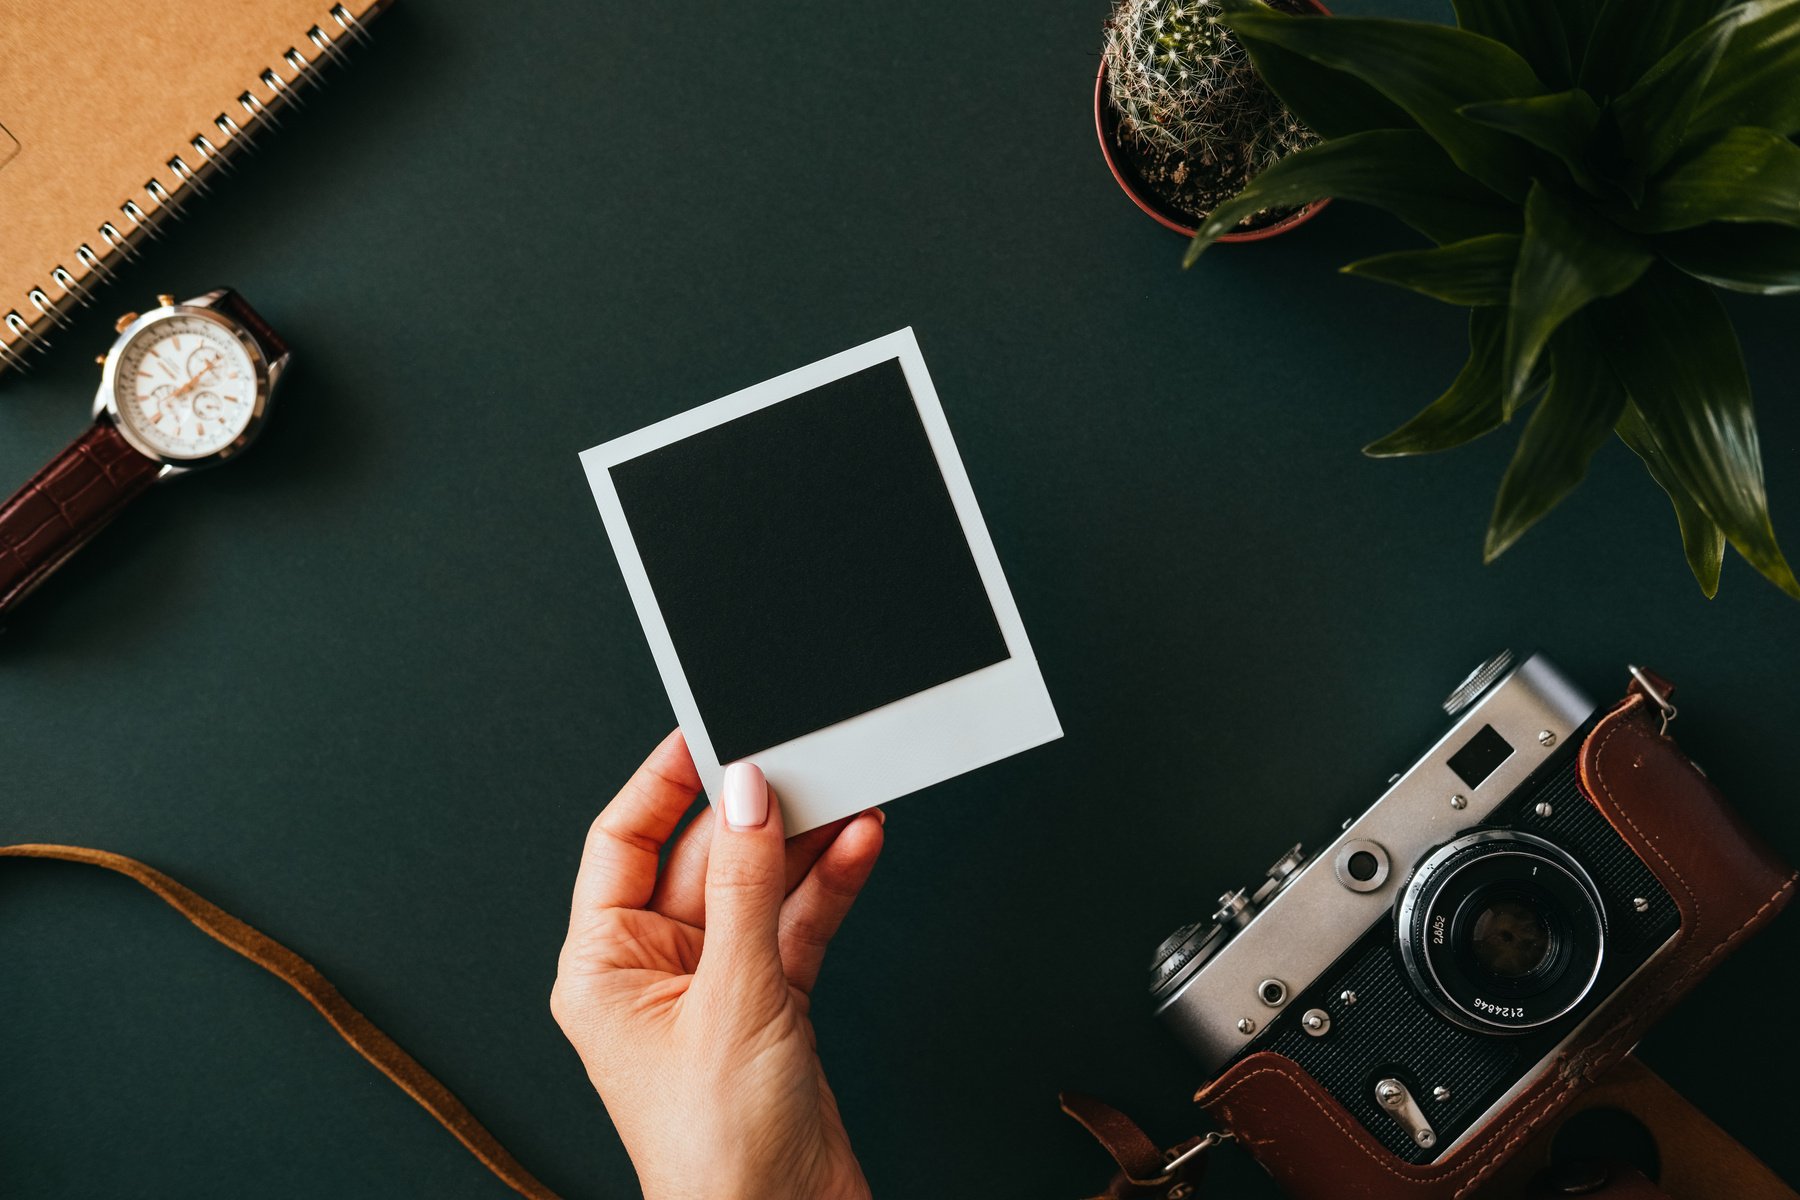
208,156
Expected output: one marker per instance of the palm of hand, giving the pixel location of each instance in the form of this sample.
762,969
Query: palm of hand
648,962
649,942
704,1052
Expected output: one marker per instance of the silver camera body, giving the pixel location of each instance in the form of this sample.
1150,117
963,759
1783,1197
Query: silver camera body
1481,907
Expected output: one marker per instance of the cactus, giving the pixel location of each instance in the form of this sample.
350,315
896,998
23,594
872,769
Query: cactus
1192,113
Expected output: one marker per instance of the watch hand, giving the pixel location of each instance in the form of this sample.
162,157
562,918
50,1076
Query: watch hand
189,386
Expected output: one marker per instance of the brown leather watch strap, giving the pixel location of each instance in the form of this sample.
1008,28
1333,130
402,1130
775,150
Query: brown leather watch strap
236,307
65,504
362,1035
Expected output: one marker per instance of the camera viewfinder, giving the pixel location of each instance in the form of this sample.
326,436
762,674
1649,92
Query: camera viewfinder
1477,760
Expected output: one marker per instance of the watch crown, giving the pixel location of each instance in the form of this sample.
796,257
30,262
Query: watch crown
100,359
120,324
164,300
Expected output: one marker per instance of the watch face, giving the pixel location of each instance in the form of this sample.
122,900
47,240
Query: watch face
185,387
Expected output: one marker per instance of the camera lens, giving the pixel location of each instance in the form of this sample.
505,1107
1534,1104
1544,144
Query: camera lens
1501,931
1510,939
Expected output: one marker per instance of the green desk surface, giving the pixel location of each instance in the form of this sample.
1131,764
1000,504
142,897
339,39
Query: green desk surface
368,688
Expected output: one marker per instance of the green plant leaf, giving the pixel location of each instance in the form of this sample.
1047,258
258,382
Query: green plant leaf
1569,257
1401,171
1468,409
1653,116
1561,123
1761,259
1629,36
1672,346
1428,70
1548,34
1477,271
1701,539
1573,420
1742,174
1330,102
1757,81
1579,18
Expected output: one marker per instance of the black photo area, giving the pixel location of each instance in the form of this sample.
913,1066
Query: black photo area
809,562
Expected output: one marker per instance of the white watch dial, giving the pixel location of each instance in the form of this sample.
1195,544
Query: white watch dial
185,386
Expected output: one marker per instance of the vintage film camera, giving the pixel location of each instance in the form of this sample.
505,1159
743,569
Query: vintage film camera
1402,1006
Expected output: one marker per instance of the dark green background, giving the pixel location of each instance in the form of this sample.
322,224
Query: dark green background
368,688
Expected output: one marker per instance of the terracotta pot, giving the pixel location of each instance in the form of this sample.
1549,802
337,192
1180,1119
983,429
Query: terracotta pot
1106,126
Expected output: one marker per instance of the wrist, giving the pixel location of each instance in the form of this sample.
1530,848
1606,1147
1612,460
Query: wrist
724,1181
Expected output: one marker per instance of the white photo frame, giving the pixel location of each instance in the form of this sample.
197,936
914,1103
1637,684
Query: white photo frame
902,746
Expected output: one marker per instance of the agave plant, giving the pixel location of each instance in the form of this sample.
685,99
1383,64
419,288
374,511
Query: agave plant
1590,171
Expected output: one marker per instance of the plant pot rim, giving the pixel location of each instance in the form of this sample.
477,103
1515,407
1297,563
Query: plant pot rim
1125,177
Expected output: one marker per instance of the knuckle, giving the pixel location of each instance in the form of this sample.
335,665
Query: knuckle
610,827
746,874
806,933
840,886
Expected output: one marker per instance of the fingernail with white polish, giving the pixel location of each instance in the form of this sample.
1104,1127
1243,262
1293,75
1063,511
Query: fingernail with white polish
746,796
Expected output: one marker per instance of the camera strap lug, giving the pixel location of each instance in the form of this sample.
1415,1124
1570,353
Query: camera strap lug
1657,693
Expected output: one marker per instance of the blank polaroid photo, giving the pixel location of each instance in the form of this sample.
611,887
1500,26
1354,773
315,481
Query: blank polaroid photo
818,587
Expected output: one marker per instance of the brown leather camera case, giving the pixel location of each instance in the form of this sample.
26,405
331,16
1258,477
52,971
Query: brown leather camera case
1726,885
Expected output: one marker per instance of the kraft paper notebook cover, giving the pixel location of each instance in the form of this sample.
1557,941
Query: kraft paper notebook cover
113,116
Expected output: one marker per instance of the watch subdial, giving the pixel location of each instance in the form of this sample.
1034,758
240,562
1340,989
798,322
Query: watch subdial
205,359
157,403
207,406
173,408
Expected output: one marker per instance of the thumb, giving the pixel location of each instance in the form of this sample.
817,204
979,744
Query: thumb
746,878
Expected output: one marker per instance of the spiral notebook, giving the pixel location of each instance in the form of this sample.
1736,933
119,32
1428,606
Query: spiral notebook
114,116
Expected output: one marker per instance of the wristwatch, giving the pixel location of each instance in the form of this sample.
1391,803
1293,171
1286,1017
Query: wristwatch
185,386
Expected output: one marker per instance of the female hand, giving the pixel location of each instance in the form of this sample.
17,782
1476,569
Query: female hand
687,995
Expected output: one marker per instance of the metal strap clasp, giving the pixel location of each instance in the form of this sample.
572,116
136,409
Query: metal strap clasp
1172,1170
1669,711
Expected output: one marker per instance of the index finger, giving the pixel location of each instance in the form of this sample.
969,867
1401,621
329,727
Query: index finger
618,863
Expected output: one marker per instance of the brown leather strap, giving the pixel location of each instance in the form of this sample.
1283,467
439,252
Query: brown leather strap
381,1050
1699,1160
64,505
236,307
1144,1171
88,484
